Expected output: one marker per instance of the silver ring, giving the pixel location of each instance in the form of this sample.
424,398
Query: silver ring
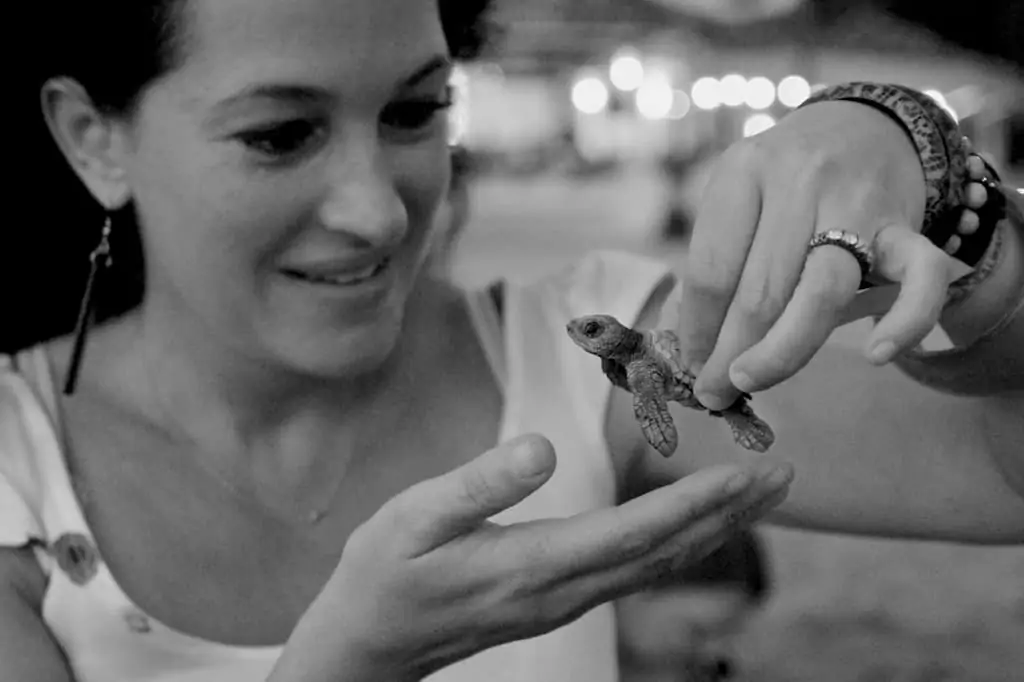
851,243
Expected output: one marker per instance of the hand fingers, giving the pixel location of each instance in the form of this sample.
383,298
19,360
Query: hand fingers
826,298
435,511
828,285
615,536
871,302
580,562
683,548
770,275
924,272
722,234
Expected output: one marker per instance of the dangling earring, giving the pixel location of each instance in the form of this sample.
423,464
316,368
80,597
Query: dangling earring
99,258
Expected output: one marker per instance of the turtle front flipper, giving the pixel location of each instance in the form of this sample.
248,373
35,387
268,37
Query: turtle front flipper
616,373
651,411
749,430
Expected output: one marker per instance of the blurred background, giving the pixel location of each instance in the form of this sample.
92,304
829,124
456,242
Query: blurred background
593,124
604,116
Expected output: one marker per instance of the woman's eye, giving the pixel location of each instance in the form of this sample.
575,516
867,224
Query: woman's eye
413,115
280,140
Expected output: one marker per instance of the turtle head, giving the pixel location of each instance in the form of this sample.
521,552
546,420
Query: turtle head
599,335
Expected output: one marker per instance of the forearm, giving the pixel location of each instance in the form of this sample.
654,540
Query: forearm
875,453
987,331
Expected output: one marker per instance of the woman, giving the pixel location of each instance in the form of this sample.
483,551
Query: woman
288,385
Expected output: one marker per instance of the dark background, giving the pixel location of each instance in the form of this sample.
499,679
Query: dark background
991,27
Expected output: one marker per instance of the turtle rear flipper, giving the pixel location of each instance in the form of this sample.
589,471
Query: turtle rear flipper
651,411
749,430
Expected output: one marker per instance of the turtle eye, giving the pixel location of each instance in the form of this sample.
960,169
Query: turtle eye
591,329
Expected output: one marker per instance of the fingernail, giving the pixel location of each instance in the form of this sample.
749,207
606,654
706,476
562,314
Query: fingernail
738,483
779,476
742,381
528,460
882,352
711,401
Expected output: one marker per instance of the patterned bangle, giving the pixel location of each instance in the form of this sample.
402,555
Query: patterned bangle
936,136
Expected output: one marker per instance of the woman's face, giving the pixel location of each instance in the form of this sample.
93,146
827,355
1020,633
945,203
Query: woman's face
286,176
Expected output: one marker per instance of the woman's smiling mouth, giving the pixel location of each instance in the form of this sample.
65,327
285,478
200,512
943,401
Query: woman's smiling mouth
336,274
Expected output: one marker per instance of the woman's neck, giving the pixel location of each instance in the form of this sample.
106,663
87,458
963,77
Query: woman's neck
212,399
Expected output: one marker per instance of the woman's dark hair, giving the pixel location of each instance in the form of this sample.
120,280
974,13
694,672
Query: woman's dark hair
115,49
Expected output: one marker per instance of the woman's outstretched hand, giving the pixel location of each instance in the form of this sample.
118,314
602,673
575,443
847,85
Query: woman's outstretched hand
429,580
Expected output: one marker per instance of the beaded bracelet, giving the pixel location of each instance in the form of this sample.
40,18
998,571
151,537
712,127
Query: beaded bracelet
966,231
990,257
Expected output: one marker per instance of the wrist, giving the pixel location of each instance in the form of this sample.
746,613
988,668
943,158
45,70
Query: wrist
326,646
330,663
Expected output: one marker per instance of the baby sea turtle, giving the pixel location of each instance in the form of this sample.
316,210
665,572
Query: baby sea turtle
649,365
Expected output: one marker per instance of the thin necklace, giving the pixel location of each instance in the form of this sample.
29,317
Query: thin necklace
80,489
316,513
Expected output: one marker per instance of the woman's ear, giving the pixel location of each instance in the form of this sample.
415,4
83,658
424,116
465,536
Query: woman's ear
93,143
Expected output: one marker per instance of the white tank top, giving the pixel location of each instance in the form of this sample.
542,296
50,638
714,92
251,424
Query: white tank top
549,387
